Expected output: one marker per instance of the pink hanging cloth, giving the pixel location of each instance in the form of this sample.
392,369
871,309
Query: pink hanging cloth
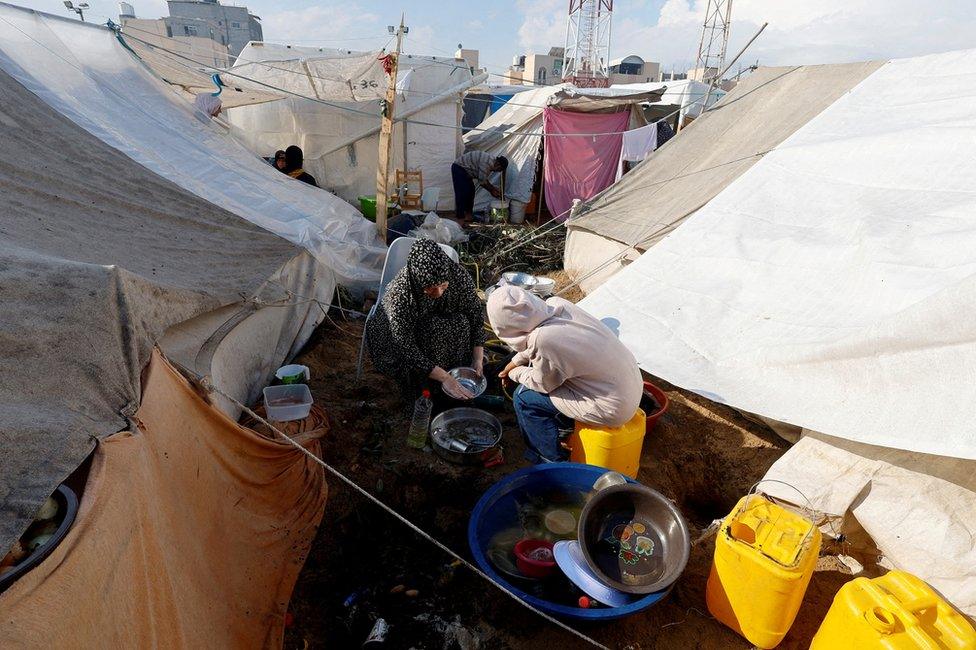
580,167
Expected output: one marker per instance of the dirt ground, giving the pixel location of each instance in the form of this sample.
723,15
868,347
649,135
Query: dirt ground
701,455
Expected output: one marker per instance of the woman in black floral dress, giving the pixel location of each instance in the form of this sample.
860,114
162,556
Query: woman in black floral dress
430,321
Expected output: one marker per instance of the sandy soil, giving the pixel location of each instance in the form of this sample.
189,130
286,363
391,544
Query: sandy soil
702,455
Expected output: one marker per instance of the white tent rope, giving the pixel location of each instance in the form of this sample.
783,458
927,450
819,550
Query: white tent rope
208,384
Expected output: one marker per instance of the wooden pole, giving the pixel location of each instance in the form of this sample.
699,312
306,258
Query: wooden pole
386,139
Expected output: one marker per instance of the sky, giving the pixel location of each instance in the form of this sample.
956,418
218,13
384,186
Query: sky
666,31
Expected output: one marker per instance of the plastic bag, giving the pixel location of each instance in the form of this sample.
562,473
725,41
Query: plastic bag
443,231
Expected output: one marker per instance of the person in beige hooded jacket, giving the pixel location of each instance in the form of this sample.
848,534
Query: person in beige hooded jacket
569,365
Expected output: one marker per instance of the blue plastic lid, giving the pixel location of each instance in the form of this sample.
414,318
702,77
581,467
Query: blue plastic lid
569,557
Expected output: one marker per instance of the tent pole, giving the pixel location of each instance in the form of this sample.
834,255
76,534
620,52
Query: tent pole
386,131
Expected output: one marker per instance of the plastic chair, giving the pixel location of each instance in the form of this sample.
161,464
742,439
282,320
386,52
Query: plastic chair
396,259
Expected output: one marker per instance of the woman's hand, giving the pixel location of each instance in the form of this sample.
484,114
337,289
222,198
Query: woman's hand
509,367
478,361
454,388
451,385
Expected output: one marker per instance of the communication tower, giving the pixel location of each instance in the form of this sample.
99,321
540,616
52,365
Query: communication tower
587,53
714,40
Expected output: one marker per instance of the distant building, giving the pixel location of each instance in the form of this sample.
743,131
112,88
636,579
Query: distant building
230,26
674,76
470,57
537,69
547,69
156,32
633,69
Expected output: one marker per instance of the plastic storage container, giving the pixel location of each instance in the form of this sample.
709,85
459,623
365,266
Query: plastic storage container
618,448
764,558
367,205
287,402
892,612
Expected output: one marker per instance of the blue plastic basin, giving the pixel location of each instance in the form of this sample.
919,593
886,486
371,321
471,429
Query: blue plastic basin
495,511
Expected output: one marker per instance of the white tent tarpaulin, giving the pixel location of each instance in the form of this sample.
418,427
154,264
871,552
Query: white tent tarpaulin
354,77
340,137
86,74
829,286
689,95
671,184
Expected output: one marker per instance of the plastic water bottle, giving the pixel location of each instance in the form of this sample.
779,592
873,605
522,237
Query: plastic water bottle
417,436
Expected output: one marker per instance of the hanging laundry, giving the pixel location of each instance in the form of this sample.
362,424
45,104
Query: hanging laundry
637,143
664,133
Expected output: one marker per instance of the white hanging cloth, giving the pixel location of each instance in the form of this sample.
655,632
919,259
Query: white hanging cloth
637,144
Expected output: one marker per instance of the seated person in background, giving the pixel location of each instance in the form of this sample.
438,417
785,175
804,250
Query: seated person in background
569,365
429,322
294,159
470,170
279,160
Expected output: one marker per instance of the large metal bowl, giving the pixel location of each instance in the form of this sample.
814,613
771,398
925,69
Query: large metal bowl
656,541
464,435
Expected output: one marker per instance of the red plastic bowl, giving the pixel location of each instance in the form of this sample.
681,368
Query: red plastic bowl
529,567
662,400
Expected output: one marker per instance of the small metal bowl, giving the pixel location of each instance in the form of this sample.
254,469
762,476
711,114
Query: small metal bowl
519,279
543,287
470,379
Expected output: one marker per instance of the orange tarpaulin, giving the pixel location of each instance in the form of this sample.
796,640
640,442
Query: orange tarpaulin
191,533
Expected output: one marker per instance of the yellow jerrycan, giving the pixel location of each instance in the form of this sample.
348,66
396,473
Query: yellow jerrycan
894,612
616,448
764,558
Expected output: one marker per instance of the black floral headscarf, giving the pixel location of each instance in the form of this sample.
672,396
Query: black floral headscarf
428,265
